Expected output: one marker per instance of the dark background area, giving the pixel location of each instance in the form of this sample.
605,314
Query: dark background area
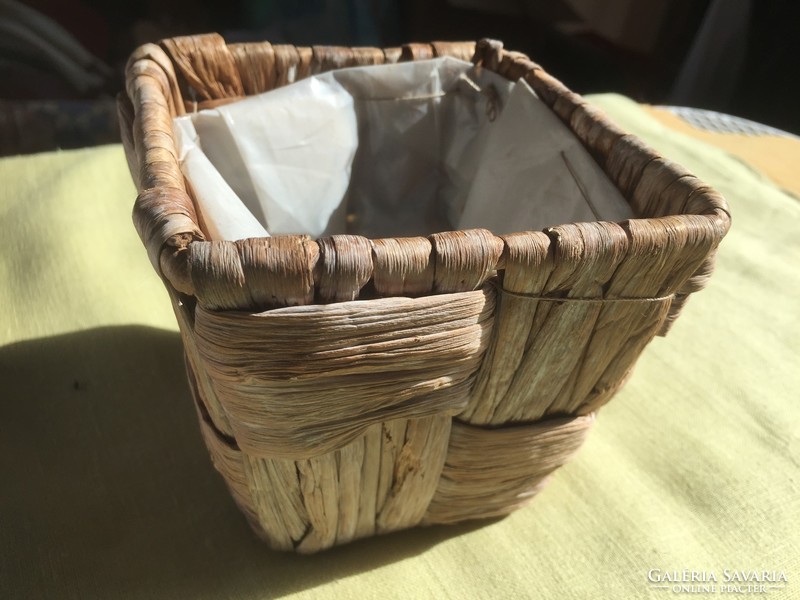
734,56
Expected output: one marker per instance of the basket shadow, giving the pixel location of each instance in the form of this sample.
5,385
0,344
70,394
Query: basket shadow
112,491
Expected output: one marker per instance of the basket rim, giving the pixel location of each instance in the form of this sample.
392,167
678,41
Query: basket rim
157,80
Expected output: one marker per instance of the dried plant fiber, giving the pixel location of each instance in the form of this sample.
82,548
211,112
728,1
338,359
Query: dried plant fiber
349,385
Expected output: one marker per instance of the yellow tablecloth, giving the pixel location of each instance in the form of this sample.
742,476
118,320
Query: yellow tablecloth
107,490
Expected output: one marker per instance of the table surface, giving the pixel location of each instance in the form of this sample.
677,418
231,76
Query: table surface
108,491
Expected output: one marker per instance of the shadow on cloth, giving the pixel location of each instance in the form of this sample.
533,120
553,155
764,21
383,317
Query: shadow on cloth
109,491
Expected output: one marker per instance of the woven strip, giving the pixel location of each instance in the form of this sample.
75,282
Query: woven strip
481,478
570,357
299,382
382,481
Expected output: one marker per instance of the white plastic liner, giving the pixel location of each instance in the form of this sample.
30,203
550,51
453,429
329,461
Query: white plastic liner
391,150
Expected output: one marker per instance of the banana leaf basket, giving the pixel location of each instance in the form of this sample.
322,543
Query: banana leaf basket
348,387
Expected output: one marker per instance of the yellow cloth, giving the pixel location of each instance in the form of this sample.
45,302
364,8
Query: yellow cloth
108,491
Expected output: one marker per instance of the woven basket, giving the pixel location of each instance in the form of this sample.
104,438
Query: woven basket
348,387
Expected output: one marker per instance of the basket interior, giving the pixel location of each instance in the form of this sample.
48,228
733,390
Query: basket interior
393,150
